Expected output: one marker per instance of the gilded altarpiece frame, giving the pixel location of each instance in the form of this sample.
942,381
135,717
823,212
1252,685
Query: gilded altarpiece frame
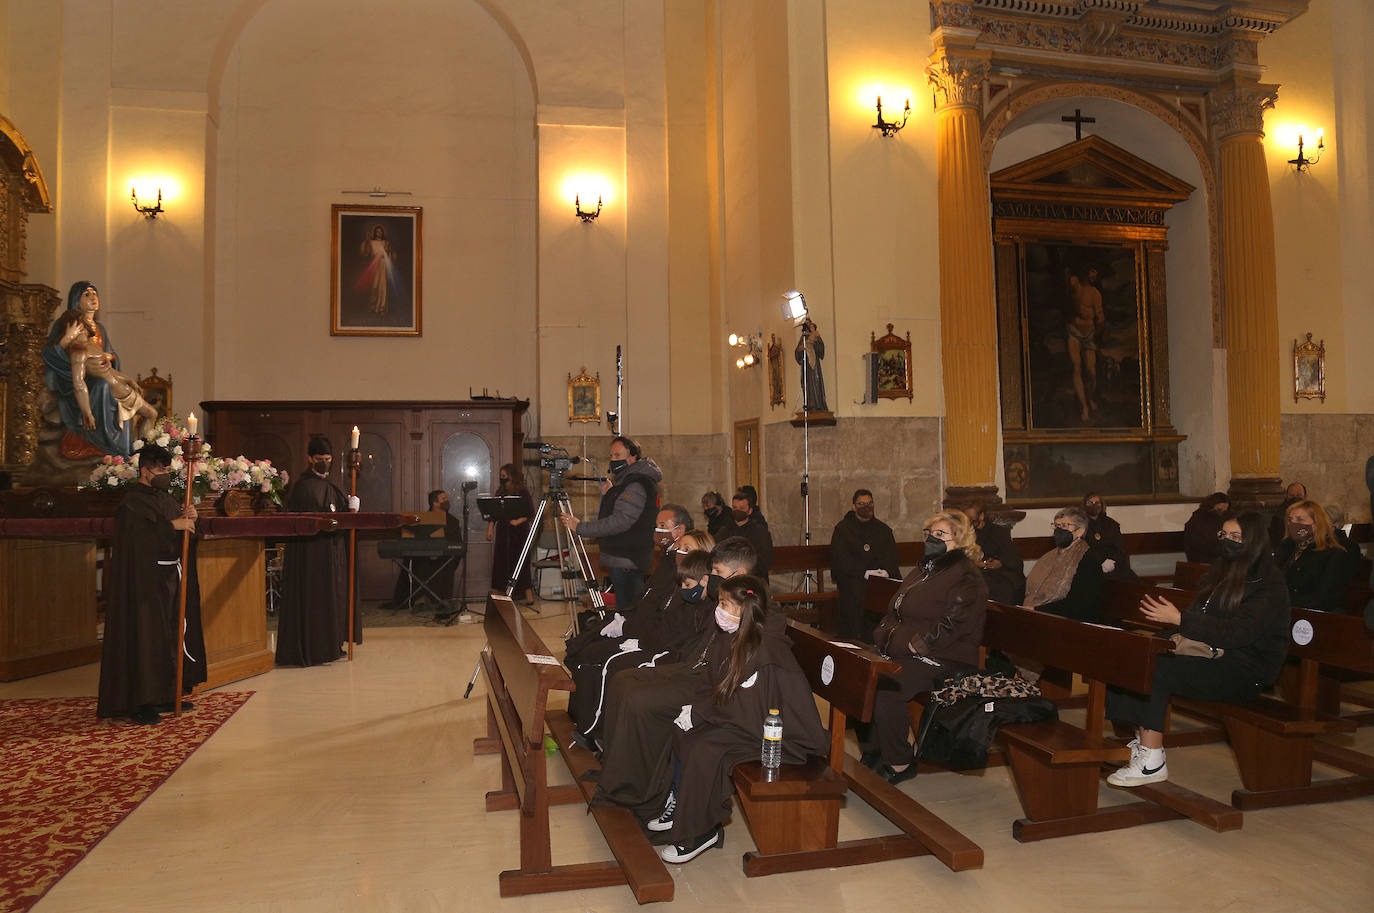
1080,249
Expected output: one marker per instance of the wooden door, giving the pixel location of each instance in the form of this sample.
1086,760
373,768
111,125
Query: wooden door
747,442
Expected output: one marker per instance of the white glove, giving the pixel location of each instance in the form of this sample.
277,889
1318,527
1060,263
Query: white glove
874,572
1108,566
354,503
630,646
615,627
684,719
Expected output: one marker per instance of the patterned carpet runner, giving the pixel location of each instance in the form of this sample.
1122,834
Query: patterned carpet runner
67,778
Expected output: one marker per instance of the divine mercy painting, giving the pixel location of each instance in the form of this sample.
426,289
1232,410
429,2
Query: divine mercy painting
375,271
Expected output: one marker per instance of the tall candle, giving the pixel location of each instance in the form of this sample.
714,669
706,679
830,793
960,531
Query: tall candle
191,424
355,437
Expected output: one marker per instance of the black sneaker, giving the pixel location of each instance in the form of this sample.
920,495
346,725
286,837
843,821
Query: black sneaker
686,852
664,822
168,708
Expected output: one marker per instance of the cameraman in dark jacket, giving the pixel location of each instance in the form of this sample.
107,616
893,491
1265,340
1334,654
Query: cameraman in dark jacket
624,524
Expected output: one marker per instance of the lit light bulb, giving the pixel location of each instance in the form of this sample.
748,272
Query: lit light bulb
734,339
749,359
739,362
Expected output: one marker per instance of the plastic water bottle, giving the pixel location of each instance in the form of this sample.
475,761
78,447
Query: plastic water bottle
771,754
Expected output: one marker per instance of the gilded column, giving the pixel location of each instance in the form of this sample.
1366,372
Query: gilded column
968,316
1249,285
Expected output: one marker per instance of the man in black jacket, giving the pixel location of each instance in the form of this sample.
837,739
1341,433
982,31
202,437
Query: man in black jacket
1001,564
749,523
860,547
624,524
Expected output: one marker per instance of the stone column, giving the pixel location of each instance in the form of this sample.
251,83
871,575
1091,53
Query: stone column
968,315
1249,291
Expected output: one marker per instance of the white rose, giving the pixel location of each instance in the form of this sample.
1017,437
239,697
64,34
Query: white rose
163,440
138,444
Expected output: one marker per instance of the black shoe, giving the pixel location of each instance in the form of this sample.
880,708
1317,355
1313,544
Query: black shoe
664,822
899,776
584,740
872,759
147,715
686,852
167,708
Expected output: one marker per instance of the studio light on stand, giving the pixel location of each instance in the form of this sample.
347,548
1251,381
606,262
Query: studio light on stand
794,309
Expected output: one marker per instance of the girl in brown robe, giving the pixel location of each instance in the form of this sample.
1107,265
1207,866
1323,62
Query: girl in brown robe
725,726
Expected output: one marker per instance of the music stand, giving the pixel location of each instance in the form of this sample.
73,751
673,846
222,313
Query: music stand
495,508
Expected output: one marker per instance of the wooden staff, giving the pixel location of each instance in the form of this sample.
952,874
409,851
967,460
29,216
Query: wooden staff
354,459
190,449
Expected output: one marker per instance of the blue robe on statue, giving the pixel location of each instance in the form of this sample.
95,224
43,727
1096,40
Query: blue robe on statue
110,434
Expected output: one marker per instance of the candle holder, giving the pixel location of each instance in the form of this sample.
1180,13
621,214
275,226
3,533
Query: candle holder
190,450
355,460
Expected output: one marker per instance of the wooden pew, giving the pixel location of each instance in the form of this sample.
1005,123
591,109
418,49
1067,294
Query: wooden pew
806,558
794,816
1275,742
520,673
1056,765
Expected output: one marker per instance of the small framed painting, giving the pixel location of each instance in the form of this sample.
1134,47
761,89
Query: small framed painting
1309,369
584,397
374,279
157,391
892,364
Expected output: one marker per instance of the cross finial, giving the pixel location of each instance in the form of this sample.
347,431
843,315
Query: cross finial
1078,120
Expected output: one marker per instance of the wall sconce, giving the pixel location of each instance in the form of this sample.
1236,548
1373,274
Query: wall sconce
149,212
753,348
586,215
1303,162
890,128
793,306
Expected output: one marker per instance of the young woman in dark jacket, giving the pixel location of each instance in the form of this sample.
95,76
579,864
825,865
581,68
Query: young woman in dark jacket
752,673
933,622
1243,610
1316,567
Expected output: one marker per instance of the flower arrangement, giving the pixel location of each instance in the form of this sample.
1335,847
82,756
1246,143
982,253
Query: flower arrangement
213,474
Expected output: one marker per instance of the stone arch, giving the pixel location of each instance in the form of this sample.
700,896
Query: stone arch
1011,104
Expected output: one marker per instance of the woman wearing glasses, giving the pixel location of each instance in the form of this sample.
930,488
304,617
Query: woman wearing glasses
1067,580
1242,614
934,623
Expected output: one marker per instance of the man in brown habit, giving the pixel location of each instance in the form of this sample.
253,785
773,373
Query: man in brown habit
313,624
138,657
861,546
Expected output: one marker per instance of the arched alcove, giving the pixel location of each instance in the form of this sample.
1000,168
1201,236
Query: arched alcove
1194,363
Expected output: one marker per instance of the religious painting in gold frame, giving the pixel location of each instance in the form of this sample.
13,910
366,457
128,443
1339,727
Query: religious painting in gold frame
375,270
1309,369
891,365
157,391
584,397
776,379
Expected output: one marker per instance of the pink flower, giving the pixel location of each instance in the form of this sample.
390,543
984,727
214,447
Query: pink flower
118,459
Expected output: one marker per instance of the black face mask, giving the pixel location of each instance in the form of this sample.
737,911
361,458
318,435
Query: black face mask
162,481
740,515
1063,538
713,583
1093,510
1231,549
935,547
713,512
864,513
1300,533
694,594
616,466
321,467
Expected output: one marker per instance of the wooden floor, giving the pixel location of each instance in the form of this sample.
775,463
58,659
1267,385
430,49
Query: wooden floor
353,788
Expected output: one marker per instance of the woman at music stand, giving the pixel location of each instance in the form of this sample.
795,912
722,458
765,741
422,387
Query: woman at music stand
508,536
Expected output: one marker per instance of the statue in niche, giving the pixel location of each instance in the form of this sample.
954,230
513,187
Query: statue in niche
809,352
95,400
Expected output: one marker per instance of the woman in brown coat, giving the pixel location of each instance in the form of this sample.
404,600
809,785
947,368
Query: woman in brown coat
934,623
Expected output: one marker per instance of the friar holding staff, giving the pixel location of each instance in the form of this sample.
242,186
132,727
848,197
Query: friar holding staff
138,657
314,607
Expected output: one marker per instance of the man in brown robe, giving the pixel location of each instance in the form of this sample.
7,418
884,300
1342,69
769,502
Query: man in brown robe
860,547
138,656
313,623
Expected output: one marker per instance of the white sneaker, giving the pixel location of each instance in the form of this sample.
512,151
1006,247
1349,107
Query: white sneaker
664,822
470,618
1147,766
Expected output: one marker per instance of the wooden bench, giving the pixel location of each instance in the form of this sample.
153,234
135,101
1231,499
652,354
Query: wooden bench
1056,765
520,673
813,559
794,815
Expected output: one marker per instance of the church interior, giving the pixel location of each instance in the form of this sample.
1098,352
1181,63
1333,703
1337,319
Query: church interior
592,217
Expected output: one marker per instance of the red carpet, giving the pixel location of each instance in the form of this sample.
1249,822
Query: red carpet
67,778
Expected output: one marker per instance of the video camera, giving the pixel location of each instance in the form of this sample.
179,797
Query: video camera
555,459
